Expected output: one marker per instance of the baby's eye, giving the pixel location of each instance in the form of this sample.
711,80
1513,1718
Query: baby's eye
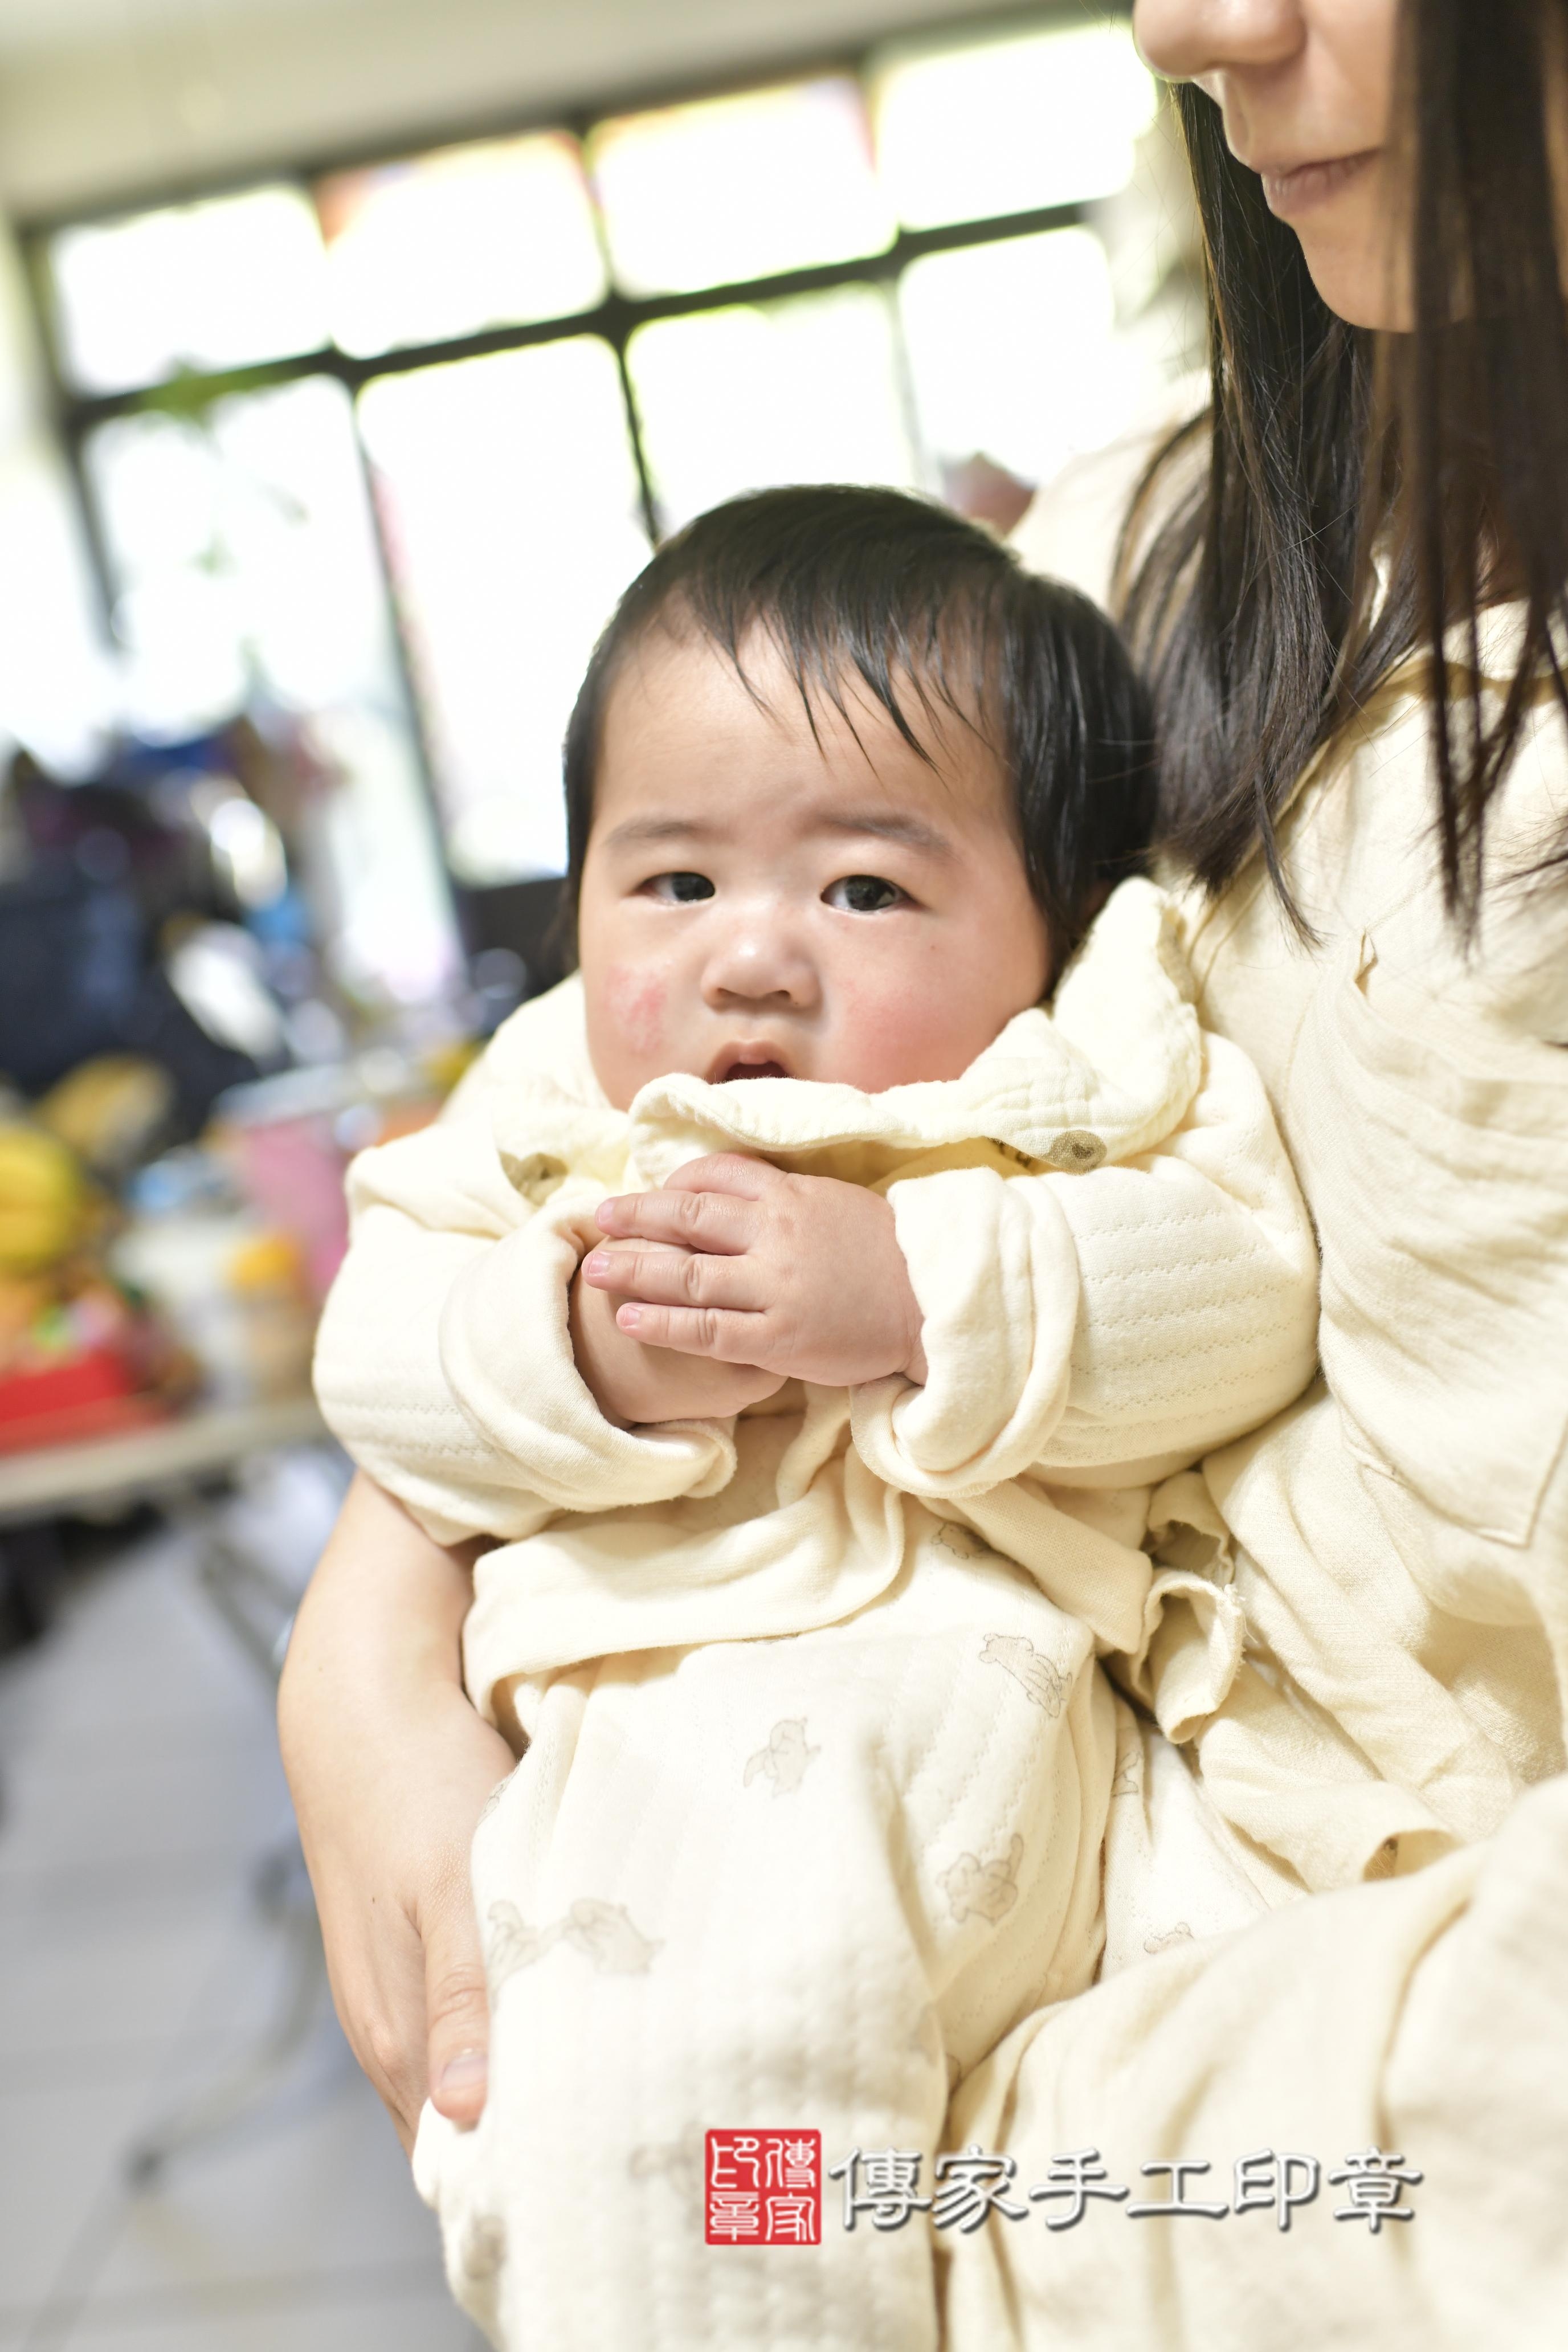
679,889
862,894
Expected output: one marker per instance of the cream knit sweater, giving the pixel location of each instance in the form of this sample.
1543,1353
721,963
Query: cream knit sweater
1113,1261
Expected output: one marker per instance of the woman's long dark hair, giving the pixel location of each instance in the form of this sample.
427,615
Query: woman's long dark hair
1446,449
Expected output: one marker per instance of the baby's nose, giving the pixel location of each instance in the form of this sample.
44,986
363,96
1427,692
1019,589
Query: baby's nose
762,963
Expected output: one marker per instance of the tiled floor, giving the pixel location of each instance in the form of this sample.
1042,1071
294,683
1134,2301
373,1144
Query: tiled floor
141,1788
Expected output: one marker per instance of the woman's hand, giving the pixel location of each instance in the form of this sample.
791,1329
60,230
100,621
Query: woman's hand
800,1275
390,1766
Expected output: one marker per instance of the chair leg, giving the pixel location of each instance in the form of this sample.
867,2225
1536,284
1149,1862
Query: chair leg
30,1574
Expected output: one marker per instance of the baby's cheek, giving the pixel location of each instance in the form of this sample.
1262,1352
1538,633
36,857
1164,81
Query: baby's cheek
897,1032
633,1005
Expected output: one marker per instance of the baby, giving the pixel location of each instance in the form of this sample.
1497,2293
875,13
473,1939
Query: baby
805,1317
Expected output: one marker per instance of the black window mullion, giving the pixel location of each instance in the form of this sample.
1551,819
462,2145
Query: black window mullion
406,667
909,407
613,322
615,319
73,439
618,339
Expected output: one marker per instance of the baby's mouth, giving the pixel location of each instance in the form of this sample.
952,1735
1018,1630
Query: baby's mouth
745,1066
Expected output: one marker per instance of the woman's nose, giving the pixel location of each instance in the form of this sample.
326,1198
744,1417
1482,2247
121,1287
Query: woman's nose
761,962
1185,40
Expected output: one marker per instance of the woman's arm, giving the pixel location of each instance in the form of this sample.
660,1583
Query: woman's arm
390,1766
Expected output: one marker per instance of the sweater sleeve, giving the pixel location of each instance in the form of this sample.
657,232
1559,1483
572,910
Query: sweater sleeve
1123,1319
444,1362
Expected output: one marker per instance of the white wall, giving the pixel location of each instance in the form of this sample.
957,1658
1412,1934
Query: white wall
162,90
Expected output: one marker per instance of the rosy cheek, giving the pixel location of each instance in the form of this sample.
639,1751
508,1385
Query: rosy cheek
899,1035
883,1035
635,1000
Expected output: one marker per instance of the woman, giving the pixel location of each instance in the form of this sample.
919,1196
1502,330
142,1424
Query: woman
1348,596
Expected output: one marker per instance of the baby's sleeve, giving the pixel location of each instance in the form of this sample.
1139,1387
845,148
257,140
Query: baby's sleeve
1127,1318
444,1362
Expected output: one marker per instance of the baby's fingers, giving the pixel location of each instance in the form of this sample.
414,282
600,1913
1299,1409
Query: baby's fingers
729,1336
668,1277
713,1222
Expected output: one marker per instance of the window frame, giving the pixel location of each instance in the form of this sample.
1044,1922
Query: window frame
615,319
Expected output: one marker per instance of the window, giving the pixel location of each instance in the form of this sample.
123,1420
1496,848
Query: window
738,188
498,234
1048,117
1013,350
383,445
806,389
204,285
513,519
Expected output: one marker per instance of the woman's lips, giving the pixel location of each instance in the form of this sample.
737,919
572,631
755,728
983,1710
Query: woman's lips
1302,189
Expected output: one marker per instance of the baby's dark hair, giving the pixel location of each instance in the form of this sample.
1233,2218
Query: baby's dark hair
928,614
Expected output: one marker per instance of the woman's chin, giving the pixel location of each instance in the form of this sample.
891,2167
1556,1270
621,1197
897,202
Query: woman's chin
1357,283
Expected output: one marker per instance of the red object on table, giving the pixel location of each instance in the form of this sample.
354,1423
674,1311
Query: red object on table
93,1396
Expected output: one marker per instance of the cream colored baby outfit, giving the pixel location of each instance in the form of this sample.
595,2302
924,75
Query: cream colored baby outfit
820,1754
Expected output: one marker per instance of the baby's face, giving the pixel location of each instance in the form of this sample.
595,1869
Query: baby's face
756,901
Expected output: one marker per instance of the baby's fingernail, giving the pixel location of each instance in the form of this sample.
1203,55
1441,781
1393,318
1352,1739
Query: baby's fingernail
629,1317
596,1262
461,2073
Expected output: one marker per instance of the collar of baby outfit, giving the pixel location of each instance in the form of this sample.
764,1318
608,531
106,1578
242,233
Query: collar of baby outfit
1100,1076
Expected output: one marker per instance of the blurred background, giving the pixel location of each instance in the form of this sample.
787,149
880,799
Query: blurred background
354,355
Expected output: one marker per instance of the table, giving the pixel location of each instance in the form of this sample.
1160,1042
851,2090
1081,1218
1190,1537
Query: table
144,1465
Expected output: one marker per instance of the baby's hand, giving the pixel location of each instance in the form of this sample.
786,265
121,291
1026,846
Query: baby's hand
632,1382
800,1274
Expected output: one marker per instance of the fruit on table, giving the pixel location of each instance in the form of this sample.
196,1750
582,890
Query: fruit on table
110,1110
43,1199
